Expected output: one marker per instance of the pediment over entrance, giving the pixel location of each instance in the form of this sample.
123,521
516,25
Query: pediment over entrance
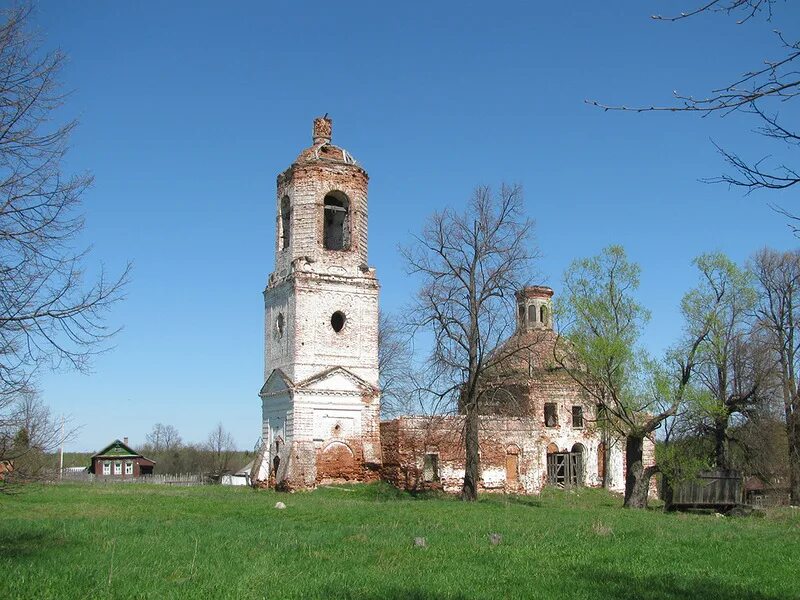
337,379
276,383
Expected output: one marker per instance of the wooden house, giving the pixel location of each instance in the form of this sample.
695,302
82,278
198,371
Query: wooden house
120,461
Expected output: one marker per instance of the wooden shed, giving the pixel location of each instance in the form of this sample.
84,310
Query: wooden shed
719,489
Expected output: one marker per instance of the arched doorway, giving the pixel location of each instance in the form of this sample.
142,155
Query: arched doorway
565,469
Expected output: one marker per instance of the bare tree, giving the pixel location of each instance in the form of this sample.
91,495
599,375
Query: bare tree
221,446
778,275
761,91
470,263
163,438
49,314
395,363
28,433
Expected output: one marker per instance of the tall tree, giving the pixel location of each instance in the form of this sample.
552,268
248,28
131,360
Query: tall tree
602,323
778,275
470,263
48,312
731,368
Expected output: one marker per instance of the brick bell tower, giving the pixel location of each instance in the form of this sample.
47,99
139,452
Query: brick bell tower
320,399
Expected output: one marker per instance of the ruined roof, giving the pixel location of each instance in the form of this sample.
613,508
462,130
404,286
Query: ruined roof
321,149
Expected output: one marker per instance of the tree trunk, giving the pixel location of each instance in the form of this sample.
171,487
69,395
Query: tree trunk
469,490
721,444
793,433
637,478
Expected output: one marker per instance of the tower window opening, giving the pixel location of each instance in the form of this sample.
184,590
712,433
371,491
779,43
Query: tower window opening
336,234
532,314
279,325
286,223
543,315
522,316
337,321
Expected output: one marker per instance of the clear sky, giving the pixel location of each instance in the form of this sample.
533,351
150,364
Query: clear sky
189,110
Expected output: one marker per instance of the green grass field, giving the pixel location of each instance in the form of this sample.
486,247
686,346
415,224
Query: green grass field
137,541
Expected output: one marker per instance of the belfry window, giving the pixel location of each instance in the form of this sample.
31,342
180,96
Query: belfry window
286,223
532,314
543,315
336,234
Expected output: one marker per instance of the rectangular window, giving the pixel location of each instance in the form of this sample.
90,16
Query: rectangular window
430,468
106,468
577,417
550,415
128,468
117,468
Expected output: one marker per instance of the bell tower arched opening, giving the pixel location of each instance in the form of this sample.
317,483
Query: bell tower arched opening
336,222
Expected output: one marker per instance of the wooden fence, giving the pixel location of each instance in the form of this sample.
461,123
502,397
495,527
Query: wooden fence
720,489
163,479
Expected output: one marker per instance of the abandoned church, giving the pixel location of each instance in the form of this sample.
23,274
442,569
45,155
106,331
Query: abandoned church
321,394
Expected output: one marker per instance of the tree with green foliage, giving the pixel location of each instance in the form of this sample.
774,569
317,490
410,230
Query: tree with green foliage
602,323
733,369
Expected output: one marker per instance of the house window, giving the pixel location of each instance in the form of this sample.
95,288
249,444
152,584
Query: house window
336,222
106,468
117,468
430,468
550,415
128,468
286,223
577,417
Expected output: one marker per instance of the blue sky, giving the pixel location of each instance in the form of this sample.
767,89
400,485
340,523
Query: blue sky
189,110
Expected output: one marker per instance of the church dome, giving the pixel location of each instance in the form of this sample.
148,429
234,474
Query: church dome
321,150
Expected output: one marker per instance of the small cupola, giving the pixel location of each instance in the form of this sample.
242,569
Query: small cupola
534,308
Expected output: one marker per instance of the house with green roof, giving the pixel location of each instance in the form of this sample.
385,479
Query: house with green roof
120,461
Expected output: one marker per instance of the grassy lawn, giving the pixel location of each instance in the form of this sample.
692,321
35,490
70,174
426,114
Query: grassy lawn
137,541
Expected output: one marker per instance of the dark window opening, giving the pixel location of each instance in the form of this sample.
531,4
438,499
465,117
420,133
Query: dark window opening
279,325
543,315
522,316
550,415
286,223
336,234
531,315
337,321
430,468
577,416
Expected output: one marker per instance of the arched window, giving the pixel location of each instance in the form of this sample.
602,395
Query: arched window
543,315
286,223
522,316
532,314
336,234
